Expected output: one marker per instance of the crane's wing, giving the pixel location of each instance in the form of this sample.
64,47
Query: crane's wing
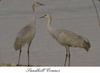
69,38
24,36
26,30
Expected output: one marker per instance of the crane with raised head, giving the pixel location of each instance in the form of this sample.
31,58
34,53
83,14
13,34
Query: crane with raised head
27,33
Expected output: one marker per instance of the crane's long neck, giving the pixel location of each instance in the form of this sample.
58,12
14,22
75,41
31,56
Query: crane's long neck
50,29
34,17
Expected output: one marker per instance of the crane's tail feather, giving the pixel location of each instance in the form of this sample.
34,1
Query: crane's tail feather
87,45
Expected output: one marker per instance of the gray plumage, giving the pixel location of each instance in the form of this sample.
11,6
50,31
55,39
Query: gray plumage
67,38
24,36
27,33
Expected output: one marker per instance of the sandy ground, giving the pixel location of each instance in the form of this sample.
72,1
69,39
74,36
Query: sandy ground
75,15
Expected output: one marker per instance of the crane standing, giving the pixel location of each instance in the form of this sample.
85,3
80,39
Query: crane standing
67,38
26,35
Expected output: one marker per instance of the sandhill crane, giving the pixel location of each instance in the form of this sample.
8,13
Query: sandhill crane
67,38
98,18
27,33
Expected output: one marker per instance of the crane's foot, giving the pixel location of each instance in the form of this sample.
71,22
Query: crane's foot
28,65
17,65
68,64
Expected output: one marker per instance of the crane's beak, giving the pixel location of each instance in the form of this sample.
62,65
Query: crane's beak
43,16
40,4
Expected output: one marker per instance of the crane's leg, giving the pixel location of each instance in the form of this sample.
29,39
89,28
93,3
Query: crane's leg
19,57
69,57
28,51
66,55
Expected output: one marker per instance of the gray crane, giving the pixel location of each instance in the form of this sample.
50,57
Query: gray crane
27,33
67,38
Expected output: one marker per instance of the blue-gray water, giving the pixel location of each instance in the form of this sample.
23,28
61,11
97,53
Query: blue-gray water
75,15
